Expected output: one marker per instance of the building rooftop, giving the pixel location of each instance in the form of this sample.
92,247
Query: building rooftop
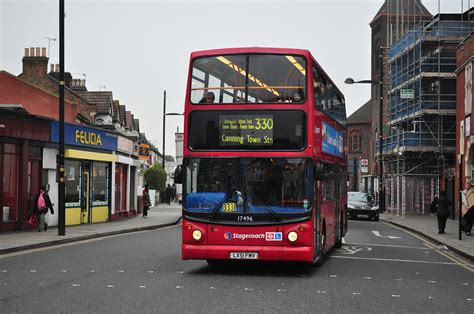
361,115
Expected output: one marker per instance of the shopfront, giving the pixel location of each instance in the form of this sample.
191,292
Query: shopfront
89,163
125,179
22,139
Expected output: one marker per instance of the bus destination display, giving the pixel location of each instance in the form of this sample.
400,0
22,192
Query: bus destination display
246,130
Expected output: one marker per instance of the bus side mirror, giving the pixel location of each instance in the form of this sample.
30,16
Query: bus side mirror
318,171
178,175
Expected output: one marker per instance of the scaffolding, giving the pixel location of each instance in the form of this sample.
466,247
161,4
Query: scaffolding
420,135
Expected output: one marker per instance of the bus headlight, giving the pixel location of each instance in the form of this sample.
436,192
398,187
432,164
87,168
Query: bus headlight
292,236
197,235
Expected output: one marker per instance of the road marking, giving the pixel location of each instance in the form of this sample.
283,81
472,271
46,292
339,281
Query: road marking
430,297
458,261
354,249
355,293
63,271
368,278
120,271
322,291
281,290
381,236
391,260
248,289
110,286
76,285
431,281
141,287
213,288
332,276
465,284
389,245
33,271
398,279
395,295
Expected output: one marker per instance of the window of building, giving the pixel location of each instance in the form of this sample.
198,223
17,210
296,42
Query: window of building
356,142
468,89
73,183
11,177
100,187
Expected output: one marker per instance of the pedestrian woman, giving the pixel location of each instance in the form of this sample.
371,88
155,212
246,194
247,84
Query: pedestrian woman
443,211
146,201
41,206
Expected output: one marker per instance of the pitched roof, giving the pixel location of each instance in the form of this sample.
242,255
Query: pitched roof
136,124
102,99
128,119
122,109
361,115
407,6
116,107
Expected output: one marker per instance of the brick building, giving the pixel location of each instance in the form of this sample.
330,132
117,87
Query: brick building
359,144
464,101
35,71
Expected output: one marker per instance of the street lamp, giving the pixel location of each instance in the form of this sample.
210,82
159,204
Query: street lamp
380,83
164,125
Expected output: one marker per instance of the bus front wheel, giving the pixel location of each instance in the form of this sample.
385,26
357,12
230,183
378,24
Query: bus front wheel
320,260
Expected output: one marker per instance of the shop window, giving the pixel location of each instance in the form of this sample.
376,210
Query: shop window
100,176
11,177
73,183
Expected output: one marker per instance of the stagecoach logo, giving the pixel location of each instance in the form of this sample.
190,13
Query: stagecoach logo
273,236
244,236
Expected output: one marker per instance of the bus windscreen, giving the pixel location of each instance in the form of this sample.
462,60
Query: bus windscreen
248,130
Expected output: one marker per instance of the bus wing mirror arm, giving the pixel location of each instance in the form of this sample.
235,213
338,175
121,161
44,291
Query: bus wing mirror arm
318,171
178,175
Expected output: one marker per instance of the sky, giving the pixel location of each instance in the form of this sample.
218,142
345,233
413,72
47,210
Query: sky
138,49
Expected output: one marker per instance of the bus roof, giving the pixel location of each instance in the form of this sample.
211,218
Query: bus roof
222,51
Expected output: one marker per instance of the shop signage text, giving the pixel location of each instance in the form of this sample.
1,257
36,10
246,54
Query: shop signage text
87,137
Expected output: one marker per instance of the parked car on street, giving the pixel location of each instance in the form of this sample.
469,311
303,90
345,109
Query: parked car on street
362,205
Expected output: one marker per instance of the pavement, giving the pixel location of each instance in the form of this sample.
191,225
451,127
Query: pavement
158,217
427,226
166,215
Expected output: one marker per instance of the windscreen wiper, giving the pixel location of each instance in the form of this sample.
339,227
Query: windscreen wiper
219,205
268,209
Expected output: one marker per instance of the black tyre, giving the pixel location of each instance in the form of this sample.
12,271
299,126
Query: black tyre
320,261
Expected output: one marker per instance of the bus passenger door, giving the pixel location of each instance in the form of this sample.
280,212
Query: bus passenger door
317,217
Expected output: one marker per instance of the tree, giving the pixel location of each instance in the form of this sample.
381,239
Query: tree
155,176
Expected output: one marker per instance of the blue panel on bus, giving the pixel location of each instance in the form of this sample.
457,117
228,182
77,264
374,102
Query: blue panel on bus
333,142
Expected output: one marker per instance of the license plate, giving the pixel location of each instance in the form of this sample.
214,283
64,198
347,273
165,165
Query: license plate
243,255
363,216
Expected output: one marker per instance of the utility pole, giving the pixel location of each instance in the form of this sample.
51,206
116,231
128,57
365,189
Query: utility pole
60,166
164,127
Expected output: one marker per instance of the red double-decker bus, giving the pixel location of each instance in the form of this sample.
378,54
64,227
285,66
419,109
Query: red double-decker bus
264,168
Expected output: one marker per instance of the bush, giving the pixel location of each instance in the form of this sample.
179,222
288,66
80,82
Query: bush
155,177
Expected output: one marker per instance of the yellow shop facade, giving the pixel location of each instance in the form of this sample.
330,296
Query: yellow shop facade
90,157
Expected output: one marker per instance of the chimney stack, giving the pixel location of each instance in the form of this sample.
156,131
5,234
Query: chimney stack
35,63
